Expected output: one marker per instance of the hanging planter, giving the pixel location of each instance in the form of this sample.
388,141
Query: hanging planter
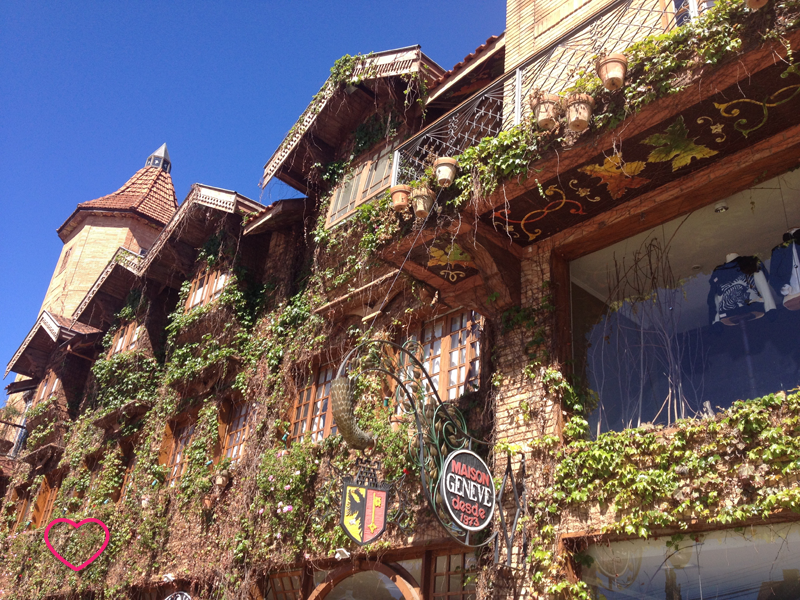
221,479
400,194
611,69
579,111
445,170
545,109
208,502
422,199
756,4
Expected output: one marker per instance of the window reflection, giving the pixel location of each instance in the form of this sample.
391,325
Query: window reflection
693,315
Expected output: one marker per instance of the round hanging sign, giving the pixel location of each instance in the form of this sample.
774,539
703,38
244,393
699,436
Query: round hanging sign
468,490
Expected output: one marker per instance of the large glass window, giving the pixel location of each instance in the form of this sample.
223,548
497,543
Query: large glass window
686,318
754,563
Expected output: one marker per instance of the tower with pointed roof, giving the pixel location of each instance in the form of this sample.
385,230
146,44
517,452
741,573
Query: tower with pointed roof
131,217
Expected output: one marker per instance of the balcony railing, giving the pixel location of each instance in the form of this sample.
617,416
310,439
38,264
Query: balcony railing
504,103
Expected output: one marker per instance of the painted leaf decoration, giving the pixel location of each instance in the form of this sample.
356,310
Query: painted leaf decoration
676,145
452,254
617,176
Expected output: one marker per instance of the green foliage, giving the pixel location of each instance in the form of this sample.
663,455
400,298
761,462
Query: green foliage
376,128
124,377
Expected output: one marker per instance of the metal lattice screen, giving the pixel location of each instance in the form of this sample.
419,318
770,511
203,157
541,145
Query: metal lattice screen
503,104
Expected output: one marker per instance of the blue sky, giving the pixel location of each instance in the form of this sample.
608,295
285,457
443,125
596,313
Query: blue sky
89,90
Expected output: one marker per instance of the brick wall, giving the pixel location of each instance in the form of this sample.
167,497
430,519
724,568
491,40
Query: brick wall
91,246
532,24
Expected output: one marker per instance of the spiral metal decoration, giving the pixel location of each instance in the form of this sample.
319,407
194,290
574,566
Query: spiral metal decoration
441,428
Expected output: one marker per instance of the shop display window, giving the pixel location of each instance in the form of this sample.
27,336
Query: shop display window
684,319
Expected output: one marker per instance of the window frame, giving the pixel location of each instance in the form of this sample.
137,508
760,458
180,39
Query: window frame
472,324
207,282
125,339
179,439
49,385
43,506
362,189
233,415
284,594
447,575
307,398
64,260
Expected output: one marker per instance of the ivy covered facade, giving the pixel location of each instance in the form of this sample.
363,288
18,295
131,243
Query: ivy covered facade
611,312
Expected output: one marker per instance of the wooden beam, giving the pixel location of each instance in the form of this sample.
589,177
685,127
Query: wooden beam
659,111
766,159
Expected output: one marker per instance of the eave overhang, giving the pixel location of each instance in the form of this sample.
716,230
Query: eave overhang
328,101
109,292
278,215
176,246
49,331
740,119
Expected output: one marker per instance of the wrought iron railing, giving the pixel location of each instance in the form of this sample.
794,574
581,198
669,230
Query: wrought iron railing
504,103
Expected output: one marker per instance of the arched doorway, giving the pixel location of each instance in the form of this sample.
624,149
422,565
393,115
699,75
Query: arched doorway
375,581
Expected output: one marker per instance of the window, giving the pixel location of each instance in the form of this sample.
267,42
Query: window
693,314
176,464
130,465
48,386
22,502
312,411
126,338
451,353
206,287
454,576
369,178
759,562
285,586
43,508
236,431
64,261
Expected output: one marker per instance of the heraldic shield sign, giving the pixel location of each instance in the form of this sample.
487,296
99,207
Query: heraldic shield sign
364,504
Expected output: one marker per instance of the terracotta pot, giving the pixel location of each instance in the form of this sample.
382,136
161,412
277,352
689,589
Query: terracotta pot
395,421
545,110
422,199
579,111
208,502
611,69
400,194
755,4
445,169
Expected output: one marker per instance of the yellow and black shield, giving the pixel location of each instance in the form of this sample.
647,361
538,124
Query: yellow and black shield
363,512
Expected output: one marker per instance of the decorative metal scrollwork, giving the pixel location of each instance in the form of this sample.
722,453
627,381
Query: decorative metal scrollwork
179,596
441,428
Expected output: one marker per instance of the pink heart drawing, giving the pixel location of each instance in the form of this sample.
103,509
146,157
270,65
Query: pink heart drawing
76,526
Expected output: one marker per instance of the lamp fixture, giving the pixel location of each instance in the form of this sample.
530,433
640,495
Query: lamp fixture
720,207
341,554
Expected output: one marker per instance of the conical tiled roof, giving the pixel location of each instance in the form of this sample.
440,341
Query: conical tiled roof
149,194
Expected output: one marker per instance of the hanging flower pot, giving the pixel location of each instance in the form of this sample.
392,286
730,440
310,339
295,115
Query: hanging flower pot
422,199
545,109
400,195
445,169
221,479
755,4
611,69
579,111
208,502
